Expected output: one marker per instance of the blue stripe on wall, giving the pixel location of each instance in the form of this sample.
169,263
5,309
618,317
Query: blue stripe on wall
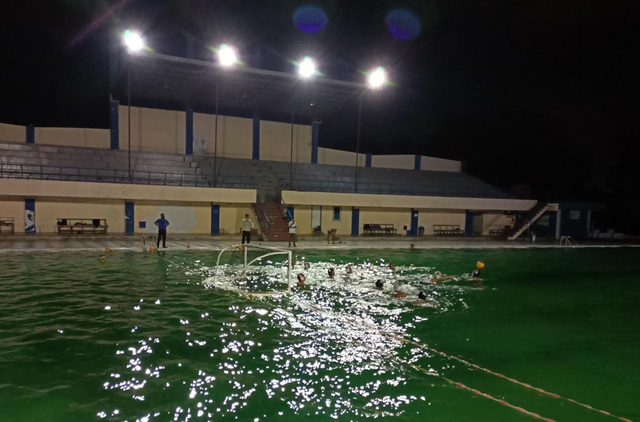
189,134
31,134
115,126
418,162
315,141
368,161
468,224
256,136
215,219
129,217
29,215
414,223
355,222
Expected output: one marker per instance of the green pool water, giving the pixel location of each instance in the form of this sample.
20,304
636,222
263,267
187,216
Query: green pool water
161,338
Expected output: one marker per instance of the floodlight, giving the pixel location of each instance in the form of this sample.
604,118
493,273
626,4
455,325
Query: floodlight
133,41
226,55
307,68
377,78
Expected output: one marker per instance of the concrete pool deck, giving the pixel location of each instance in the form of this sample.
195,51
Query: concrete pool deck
204,243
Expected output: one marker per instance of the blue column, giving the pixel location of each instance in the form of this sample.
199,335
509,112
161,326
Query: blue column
290,213
31,134
189,145
115,125
368,161
215,219
468,224
129,218
315,141
414,223
355,222
30,216
256,136
417,162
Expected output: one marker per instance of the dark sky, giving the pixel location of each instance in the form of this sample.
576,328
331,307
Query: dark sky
539,94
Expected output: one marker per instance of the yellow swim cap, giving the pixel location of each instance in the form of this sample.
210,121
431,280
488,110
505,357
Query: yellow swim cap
107,249
480,265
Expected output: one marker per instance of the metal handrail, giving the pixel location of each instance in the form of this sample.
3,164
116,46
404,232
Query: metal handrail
40,172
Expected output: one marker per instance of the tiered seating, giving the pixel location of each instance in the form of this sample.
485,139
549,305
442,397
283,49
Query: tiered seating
103,165
329,178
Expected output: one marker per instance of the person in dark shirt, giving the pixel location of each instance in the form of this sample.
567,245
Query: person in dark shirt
162,224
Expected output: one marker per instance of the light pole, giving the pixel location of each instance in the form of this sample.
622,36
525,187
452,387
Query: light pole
134,43
226,58
306,69
377,79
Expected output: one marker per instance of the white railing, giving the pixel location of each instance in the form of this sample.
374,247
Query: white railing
568,242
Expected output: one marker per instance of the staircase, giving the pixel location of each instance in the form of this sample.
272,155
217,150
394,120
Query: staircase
526,221
272,221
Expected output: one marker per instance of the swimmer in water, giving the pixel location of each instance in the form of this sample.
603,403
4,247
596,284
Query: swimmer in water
392,266
438,276
379,285
412,247
307,266
301,279
422,296
398,292
293,262
331,272
349,269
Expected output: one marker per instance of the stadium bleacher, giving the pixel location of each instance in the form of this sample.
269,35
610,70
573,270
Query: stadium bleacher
103,165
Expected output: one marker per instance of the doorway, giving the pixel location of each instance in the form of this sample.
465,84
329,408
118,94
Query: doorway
316,216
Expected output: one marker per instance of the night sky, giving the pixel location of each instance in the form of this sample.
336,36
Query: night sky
538,97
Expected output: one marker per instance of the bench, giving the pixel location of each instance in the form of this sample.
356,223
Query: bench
82,225
7,225
379,229
447,230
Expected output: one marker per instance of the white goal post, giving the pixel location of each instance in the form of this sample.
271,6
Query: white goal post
269,251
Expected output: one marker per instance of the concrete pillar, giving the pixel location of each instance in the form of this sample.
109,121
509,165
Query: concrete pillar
115,125
256,136
189,132
315,141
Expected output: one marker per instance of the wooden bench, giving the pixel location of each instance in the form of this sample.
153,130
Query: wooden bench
379,229
7,225
82,225
447,230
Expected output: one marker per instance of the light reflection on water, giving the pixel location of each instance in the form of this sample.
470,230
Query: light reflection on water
327,350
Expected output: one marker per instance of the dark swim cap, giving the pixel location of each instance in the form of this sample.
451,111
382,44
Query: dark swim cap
422,296
332,272
379,284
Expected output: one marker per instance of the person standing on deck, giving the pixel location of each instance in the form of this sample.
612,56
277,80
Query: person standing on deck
246,226
162,224
292,232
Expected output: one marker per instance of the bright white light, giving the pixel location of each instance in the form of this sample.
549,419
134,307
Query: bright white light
377,78
307,68
133,41
226,55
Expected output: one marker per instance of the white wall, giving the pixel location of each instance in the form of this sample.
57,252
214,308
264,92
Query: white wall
340,158
152,130
235,135
13,133
275,142
73,137
439,164
406,162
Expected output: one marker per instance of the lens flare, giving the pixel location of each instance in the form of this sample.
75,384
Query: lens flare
133,41
377,78
310,19
226,55
307,68
403,24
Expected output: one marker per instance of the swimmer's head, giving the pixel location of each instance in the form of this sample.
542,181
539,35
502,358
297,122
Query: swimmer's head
301,279
331,272
307,265
392,266
480,265
293,262
412,246
379,284
437,275
349,269
422,296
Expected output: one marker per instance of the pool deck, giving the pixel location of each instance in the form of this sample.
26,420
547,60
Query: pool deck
183,243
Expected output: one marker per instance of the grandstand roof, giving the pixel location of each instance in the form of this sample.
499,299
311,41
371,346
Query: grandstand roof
170,79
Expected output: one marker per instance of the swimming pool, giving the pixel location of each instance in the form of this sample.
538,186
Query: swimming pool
141,336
